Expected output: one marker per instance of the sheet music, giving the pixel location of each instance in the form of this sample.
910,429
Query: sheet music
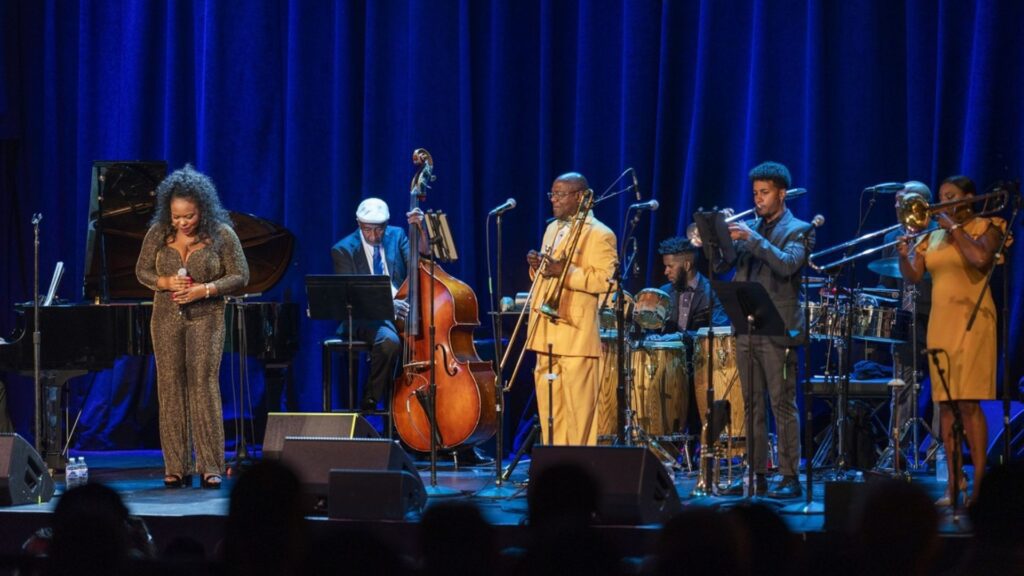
58,273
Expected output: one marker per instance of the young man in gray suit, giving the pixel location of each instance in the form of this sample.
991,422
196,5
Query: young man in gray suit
771,250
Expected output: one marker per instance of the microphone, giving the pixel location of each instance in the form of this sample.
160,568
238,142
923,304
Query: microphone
508,205
651,205
37,218
636,186
817,221
886,188
795,193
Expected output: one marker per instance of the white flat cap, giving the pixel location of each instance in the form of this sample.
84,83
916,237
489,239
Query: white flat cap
372,211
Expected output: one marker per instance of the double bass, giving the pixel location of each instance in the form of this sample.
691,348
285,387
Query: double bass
465,384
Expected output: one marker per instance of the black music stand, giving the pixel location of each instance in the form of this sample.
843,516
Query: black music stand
750,308
349,297
718,248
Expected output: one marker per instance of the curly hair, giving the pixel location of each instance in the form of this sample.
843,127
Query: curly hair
190,184
676,245
772,172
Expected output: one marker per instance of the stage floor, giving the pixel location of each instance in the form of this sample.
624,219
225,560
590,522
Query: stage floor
138,477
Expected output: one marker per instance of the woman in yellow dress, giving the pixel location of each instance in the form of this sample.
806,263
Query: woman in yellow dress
958,256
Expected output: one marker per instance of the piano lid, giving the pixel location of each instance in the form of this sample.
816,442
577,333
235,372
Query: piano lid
127,192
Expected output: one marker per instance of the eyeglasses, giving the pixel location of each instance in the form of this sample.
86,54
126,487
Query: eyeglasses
368,228
562,194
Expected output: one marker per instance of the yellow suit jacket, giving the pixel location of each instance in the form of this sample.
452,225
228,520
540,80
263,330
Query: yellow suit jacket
591,268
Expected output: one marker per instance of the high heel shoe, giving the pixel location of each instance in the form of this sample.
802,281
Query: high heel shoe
947,498
211,481
177,481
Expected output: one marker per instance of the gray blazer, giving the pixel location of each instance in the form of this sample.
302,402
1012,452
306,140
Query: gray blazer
775,262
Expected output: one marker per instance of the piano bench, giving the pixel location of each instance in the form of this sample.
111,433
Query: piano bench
350,347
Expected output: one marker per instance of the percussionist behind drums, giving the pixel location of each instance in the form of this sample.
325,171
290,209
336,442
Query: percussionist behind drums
691,300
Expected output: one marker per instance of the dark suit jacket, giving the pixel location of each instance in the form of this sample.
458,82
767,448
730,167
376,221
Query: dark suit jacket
782,256
699,307
349,257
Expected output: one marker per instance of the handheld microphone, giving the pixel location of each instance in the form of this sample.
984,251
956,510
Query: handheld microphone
886,188
636,186
508,205
651,205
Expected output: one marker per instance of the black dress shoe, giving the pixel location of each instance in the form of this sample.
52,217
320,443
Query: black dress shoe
789,487
736,487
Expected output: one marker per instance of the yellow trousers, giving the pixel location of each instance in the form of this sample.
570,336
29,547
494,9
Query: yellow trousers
573,391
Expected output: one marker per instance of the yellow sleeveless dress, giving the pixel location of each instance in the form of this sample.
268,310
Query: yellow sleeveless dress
969,360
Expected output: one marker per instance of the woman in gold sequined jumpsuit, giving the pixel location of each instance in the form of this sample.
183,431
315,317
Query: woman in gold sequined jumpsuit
191,258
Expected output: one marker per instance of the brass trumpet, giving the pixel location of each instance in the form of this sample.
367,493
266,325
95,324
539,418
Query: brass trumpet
730,216
914,214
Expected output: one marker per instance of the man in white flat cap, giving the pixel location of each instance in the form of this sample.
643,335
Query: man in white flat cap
376,248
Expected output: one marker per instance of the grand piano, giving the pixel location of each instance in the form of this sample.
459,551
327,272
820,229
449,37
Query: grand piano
113,319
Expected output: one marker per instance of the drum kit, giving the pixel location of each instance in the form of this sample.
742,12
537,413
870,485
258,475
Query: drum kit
870,315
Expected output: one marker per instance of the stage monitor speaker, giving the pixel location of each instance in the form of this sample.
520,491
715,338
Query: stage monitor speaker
323,465
312,424
842,498
633,485
24,478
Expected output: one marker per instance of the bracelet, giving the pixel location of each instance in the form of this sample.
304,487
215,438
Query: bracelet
207,285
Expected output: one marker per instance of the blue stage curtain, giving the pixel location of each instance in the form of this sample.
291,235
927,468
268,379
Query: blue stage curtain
300,109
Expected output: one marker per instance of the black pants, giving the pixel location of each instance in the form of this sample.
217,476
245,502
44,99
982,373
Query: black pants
775,370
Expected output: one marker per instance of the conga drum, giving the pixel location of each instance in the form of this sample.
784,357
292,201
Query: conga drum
726,378
660,384
607,401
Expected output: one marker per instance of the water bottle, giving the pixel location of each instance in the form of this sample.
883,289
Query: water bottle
83,471
71,478
941,467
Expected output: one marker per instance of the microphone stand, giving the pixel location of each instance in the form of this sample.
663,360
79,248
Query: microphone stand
809,506
242,459
1000,254
499,490
624,387
433,490
37,337
958,432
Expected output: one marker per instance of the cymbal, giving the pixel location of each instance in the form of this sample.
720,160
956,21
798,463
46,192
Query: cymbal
886,267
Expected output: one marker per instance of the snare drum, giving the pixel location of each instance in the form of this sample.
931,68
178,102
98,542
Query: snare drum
726,378
877,324
651,311
659,384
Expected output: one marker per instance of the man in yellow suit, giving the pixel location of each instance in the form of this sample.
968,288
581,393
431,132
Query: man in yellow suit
573,339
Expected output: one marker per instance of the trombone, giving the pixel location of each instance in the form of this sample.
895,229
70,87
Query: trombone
552,293
694,234
914,214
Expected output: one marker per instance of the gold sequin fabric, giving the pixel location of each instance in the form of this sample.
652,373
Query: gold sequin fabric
188,343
